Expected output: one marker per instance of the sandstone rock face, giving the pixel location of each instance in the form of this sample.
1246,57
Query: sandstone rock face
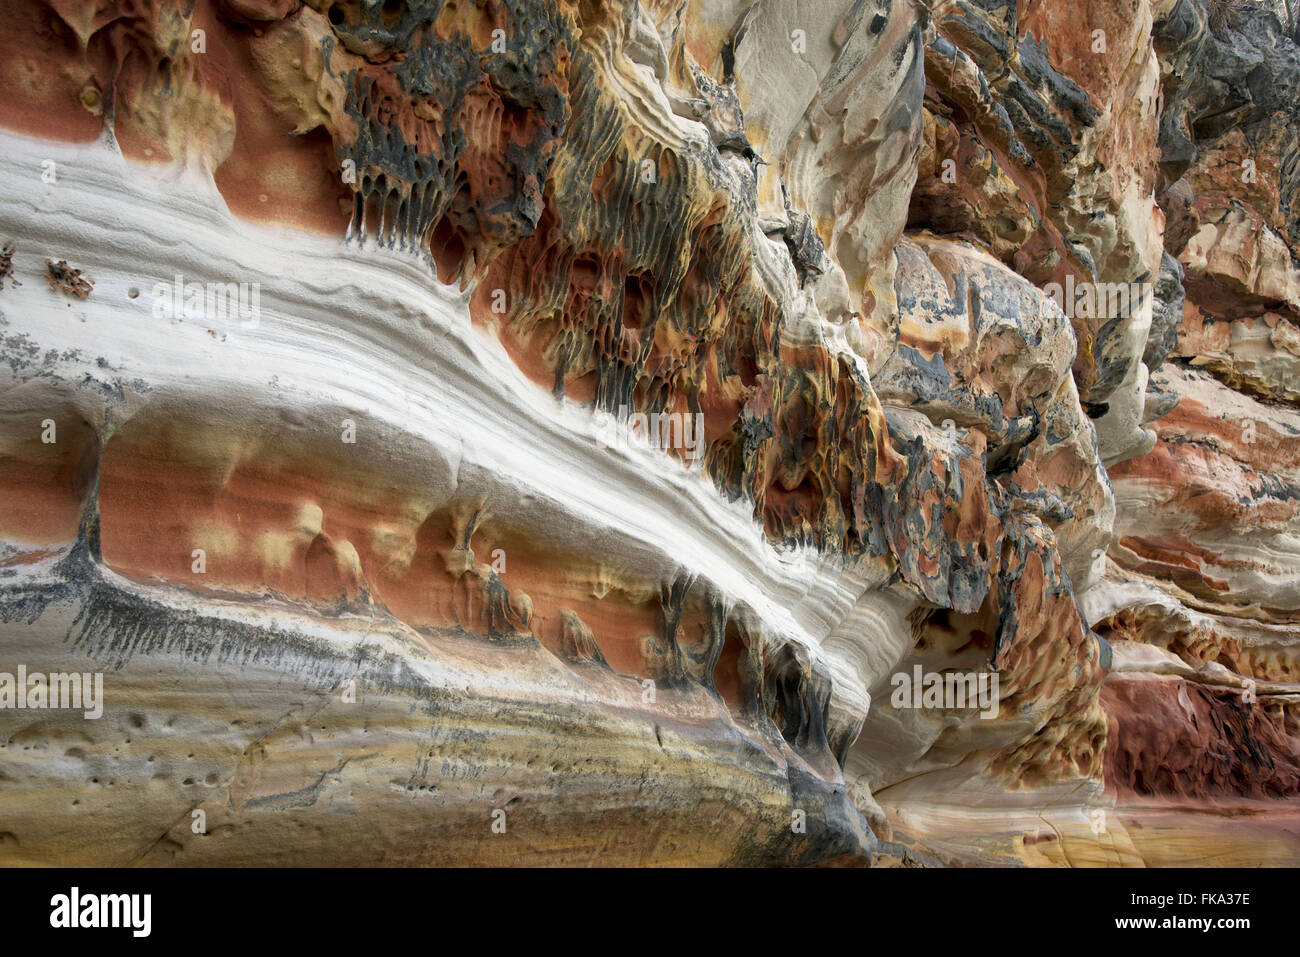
711,432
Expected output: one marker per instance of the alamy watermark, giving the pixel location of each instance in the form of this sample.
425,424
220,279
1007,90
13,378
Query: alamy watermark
952,689
658,430
37,691
1100,300
75,910
218,301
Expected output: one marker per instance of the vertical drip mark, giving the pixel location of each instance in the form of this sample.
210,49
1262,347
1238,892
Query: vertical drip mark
384,222
403,225
357,221
363,208
392,203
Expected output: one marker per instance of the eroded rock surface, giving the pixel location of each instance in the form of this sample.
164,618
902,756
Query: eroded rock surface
548,432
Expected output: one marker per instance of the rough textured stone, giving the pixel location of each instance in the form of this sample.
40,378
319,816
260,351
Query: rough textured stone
589,411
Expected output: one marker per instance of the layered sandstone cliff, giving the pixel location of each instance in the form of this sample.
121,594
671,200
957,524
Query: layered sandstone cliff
550,432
